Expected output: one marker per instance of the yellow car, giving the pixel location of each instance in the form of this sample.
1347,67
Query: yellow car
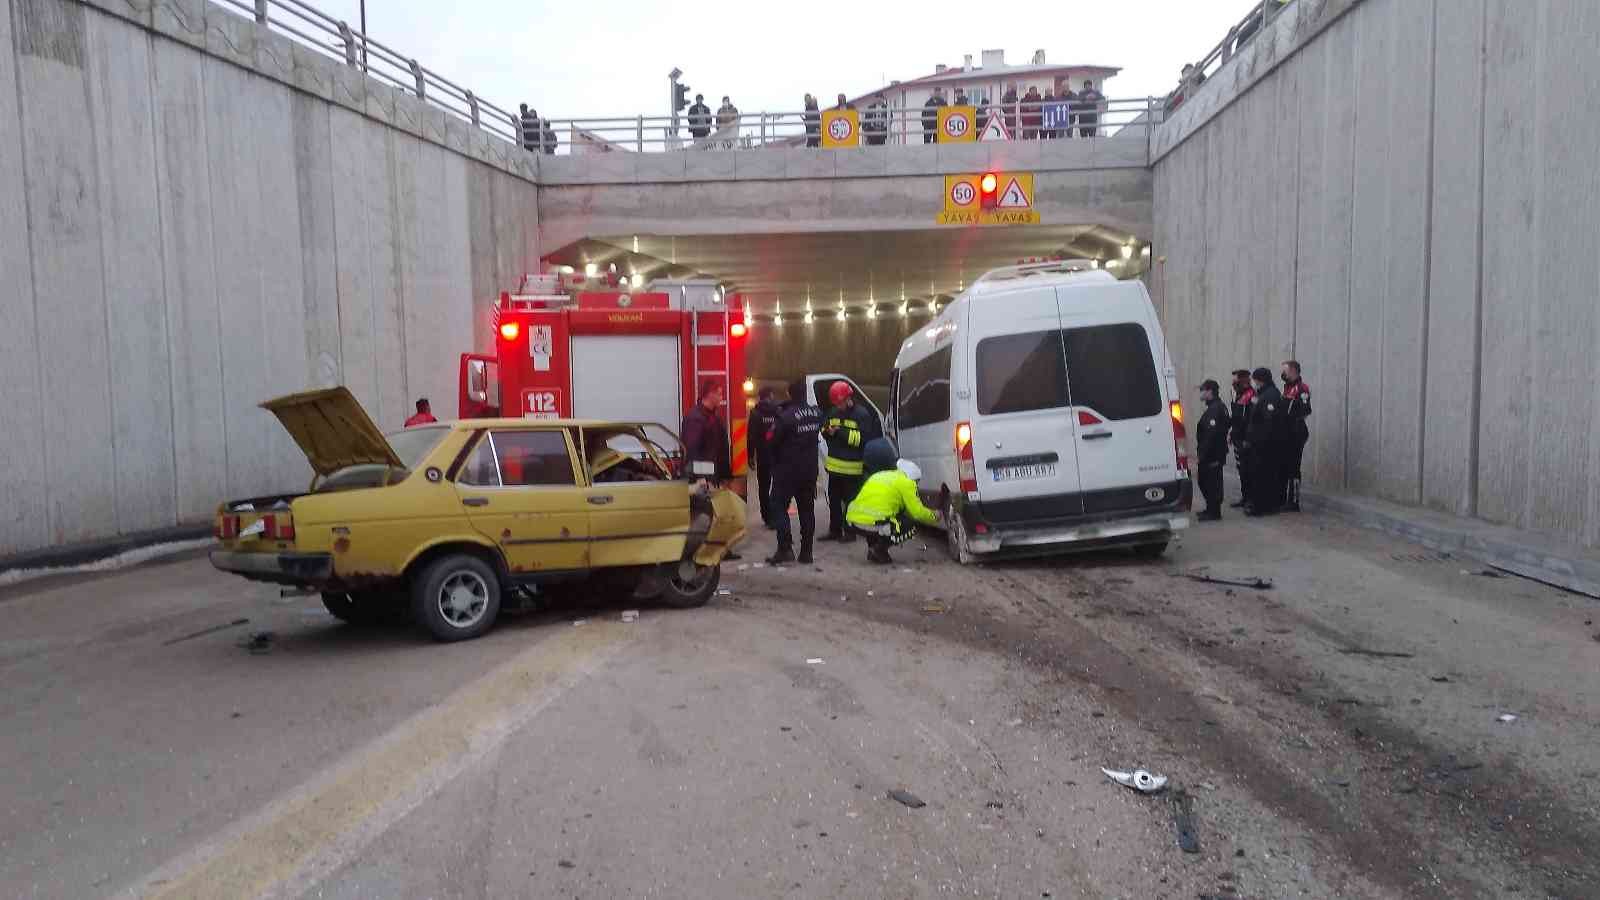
458,519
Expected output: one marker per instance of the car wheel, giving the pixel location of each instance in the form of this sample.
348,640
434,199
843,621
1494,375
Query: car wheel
1150,551
456,597
955,536
354,609
689,584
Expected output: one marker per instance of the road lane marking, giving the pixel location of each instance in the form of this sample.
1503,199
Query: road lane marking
303,836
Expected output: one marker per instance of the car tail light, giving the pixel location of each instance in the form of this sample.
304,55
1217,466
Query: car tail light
968,466
1180,437
228,527
279,529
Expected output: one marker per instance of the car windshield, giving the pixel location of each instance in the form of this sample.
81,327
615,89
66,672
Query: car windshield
412,444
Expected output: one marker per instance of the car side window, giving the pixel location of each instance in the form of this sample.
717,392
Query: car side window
533,458
479,469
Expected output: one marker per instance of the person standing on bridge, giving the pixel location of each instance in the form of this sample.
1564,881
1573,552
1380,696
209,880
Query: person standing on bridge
1297,408
424,414
548,138
1089,101
763,418
1008,105
1211,445
699,118
728,118
930,116
875,122
1242,394
813,120
1032,114
530,129
794,473
847,430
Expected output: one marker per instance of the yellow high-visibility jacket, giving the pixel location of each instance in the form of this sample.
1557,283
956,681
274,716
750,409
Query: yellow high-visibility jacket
883,496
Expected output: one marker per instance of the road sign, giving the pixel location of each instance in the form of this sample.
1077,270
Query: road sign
1013,203
840,128
956,125
995,130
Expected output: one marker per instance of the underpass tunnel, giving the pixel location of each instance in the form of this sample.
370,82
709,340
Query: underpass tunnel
843,301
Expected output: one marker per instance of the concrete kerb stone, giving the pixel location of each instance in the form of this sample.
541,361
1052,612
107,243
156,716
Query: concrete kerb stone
73,555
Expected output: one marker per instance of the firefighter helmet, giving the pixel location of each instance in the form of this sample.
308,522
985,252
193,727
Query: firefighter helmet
840,392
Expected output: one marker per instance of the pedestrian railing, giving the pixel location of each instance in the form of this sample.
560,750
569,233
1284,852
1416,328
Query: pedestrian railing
1043,120
1260,15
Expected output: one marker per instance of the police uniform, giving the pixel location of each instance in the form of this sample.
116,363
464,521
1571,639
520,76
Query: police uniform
849,428
1211,445
763,417
1238,414
793,440
1297,406
1264,432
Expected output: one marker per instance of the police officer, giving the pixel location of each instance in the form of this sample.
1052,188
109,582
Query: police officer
1211,444
1297,407
793,440
1237,414
763,416
1263,434
847,430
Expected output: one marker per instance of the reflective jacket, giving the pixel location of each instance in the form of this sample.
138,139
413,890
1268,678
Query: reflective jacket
851,429
883,497
420,418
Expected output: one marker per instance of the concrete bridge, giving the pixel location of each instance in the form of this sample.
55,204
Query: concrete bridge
210,213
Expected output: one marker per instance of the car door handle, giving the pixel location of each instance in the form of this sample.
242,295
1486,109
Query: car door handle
474,501
600,499
1096,435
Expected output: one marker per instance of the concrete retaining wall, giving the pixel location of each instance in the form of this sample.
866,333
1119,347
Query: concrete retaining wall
1407,202
199,216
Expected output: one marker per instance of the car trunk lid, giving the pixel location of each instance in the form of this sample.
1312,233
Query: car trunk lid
332,430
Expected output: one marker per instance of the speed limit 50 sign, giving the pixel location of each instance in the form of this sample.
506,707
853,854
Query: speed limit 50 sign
841,128
958,124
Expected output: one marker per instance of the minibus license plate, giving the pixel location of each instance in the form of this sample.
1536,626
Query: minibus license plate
1019,473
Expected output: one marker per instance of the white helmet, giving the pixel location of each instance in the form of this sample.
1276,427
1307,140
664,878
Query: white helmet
911,469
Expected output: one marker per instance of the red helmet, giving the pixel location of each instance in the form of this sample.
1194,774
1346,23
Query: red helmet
839,393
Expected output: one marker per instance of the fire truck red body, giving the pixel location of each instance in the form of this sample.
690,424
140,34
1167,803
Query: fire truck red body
614,354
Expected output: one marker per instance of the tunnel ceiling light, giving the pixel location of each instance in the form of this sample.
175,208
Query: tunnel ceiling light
809,317
905,310
872,311
1145,251
1127,250
589,269
637,280
840,316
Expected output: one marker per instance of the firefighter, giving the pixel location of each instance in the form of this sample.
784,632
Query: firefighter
1236,422
847,430
424,414
1297,407
793,443
1211,444
887,507
763,416
1263,440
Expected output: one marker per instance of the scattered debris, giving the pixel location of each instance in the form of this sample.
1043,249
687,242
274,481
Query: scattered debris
743,566
994,804
1183,820
724,591
578,622
1380,654
1139,779
760,565
935,608
567,864
905,571
205,631
1206,785
1014,723
785,727
258,642
1260,584
1489,573
906,798
814,661
869,593
630,615
1441,679
1507,718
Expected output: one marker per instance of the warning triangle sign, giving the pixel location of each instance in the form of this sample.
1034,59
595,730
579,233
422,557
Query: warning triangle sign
995,130
1014,198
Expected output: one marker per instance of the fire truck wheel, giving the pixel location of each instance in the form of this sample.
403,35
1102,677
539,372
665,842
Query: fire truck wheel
456,597
689,585
356,609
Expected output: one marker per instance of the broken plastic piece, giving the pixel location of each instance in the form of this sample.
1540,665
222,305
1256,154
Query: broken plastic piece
814,661
1183,820
907,798
1260,584
630,615
1507,717
1139,779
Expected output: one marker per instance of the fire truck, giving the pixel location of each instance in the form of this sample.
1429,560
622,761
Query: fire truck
582,348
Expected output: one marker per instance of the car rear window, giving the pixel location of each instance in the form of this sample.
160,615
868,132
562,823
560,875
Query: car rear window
1110,370
412,444
1021,372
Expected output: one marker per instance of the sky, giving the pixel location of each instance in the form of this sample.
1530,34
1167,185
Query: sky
586,60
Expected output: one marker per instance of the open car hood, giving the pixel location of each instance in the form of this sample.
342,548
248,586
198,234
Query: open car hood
332,430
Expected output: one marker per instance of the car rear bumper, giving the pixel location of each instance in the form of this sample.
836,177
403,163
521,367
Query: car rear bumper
1144,529
298,569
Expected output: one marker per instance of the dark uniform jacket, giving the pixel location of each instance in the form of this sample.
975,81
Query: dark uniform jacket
1297,406
763,416
1211,435
794,441
1264,423
1238,413
699,120
852,429
705,438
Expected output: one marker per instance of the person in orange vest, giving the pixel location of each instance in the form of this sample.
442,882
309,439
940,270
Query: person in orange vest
424,414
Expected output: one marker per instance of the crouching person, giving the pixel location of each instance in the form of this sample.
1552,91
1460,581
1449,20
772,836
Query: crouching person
886,510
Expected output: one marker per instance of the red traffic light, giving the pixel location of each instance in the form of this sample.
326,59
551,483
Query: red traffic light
988,183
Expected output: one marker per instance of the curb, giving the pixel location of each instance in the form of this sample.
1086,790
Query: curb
90,552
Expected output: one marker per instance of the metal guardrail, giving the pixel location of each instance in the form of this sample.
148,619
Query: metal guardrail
335,39
1261,14
1116,118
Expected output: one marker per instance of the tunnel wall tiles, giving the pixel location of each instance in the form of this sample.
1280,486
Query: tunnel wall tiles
1429,251
195,237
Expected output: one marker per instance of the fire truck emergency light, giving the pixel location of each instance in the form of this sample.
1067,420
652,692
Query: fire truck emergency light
510,330
737,329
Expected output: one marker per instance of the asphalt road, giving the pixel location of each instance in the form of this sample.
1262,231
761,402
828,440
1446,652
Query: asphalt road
1337,735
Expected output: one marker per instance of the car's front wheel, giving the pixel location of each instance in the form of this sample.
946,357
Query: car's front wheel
456,597
689,584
